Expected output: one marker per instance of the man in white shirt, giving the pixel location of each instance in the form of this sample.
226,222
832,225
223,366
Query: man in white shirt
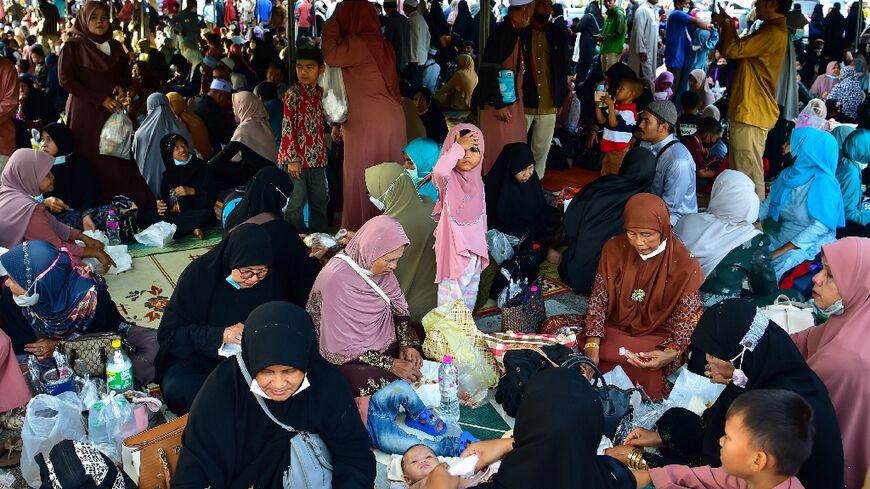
643,44
420,38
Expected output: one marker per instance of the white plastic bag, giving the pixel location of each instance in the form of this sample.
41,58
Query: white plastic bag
111,420
49,420
158,234
116,138
500,246
334,95
120,255
693,392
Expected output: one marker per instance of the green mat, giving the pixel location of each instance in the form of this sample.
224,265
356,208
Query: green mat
212,237
484,422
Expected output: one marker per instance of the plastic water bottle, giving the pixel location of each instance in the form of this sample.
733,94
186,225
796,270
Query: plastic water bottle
448,384
119,369
113,228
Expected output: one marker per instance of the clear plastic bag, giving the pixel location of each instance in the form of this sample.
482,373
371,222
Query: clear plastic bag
500,246
334,95
693,392
473,386
116,138
158,234
111,420
89,392
49,420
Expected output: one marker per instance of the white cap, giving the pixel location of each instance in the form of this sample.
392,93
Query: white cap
411,3
229,63
519,3
222,85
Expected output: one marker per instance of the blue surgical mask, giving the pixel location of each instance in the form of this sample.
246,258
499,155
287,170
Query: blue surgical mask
232,282
834,309
183,162
413,174
60,160
798,35
39,198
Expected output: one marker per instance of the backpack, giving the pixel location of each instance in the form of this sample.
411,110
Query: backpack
520,366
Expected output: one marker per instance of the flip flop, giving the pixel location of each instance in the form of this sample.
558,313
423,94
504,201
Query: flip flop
427,423
465,439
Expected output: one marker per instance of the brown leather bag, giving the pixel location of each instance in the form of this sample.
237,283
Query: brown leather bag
150,457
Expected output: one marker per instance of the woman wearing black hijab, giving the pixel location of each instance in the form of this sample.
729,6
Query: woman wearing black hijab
214,295
595,215
430,115
74,182
554,447
230,442
462,23
734,336
35,106
263,204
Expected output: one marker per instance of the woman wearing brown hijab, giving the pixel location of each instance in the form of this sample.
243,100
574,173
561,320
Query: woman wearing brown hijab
645,298
93,69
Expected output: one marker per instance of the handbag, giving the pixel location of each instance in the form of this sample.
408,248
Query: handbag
520,366
527,316
310,461
791,316
150,458
615,401
87,354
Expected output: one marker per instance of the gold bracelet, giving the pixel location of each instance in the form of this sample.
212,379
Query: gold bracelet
594,346
635,459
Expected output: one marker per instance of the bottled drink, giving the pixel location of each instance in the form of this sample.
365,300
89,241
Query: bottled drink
113,228
448,384
119,369
599,95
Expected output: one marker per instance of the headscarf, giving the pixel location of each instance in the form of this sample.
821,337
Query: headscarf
462,22
267,193
38,106
19,184
159,122
860,71
665,278
194,173
838,352
565,441
460,212
424,153
359,18
705,94
813,115
727,224
253,130
772,363
62,136
848,92
595,215
511,207
80,26
353,318
824,83
416,269
711,111
815,160
194,124
433,119
663,93
89,55
67,294
854,149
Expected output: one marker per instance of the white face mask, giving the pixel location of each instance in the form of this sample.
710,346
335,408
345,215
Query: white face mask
413,174
377,203
834,309
26,300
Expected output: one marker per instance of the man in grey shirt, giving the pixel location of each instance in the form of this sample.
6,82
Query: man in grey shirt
675,169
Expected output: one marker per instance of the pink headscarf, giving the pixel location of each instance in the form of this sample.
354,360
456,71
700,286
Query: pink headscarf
254,131
839,352
18,185
15,390
352,317
461,226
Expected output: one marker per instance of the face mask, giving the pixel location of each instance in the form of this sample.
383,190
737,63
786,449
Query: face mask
377,203
60,160
834,309
183,162
26,300
686,9
798,35
413,175
862,166
232,282
818,52
39,198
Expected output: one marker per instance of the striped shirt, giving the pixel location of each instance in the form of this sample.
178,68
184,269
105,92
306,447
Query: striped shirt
619,138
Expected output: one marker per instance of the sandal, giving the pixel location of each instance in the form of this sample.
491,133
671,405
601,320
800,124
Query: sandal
465,439
427,423
12,420
11,454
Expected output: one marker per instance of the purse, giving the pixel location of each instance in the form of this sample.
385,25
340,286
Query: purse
528,316
87,354
150,458
310,461
791,316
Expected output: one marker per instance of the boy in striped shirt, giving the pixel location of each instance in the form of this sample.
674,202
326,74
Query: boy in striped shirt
619,119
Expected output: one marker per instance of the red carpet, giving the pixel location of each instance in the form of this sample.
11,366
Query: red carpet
556,180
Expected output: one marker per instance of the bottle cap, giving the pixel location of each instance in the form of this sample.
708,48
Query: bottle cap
447,359
116,343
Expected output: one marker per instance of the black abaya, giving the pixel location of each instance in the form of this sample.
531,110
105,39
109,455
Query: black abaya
514,208
595,215
74,181
194,211
230,442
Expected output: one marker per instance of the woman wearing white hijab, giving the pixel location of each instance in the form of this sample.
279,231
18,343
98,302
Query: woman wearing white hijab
727,244
159,122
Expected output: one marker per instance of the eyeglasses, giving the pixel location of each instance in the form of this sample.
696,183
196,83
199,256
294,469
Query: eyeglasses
247,273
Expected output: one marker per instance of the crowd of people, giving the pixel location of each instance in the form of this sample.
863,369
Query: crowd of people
730,158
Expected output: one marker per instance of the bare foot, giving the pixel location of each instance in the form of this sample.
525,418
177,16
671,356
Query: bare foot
198,233
88,223
554,257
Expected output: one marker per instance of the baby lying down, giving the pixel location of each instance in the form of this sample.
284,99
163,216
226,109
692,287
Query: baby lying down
419,461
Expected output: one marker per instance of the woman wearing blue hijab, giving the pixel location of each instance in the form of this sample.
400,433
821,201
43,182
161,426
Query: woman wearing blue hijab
805,200
854,154
48,298
420,157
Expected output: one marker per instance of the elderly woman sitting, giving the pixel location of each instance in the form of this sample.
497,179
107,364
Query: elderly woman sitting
644,299
361,314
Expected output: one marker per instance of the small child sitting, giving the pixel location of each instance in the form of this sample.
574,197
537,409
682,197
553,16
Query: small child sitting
768,436
687,123
386,435
419,461
619,120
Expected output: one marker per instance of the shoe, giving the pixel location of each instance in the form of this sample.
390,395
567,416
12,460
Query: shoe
427,423
465,439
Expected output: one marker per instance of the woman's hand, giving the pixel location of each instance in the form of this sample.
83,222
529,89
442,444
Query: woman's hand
233,334
503,114
91,242
55,205
42,348
318,252
412,355
592,139
111,104
488,451
294,168
88,223
641,437
406,370
162,208
347,237
185,191
653,360
336,133
619,452
467,141
105,260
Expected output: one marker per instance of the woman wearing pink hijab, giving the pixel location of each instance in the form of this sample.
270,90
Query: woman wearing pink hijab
838,350
360,313
14,389
460,236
